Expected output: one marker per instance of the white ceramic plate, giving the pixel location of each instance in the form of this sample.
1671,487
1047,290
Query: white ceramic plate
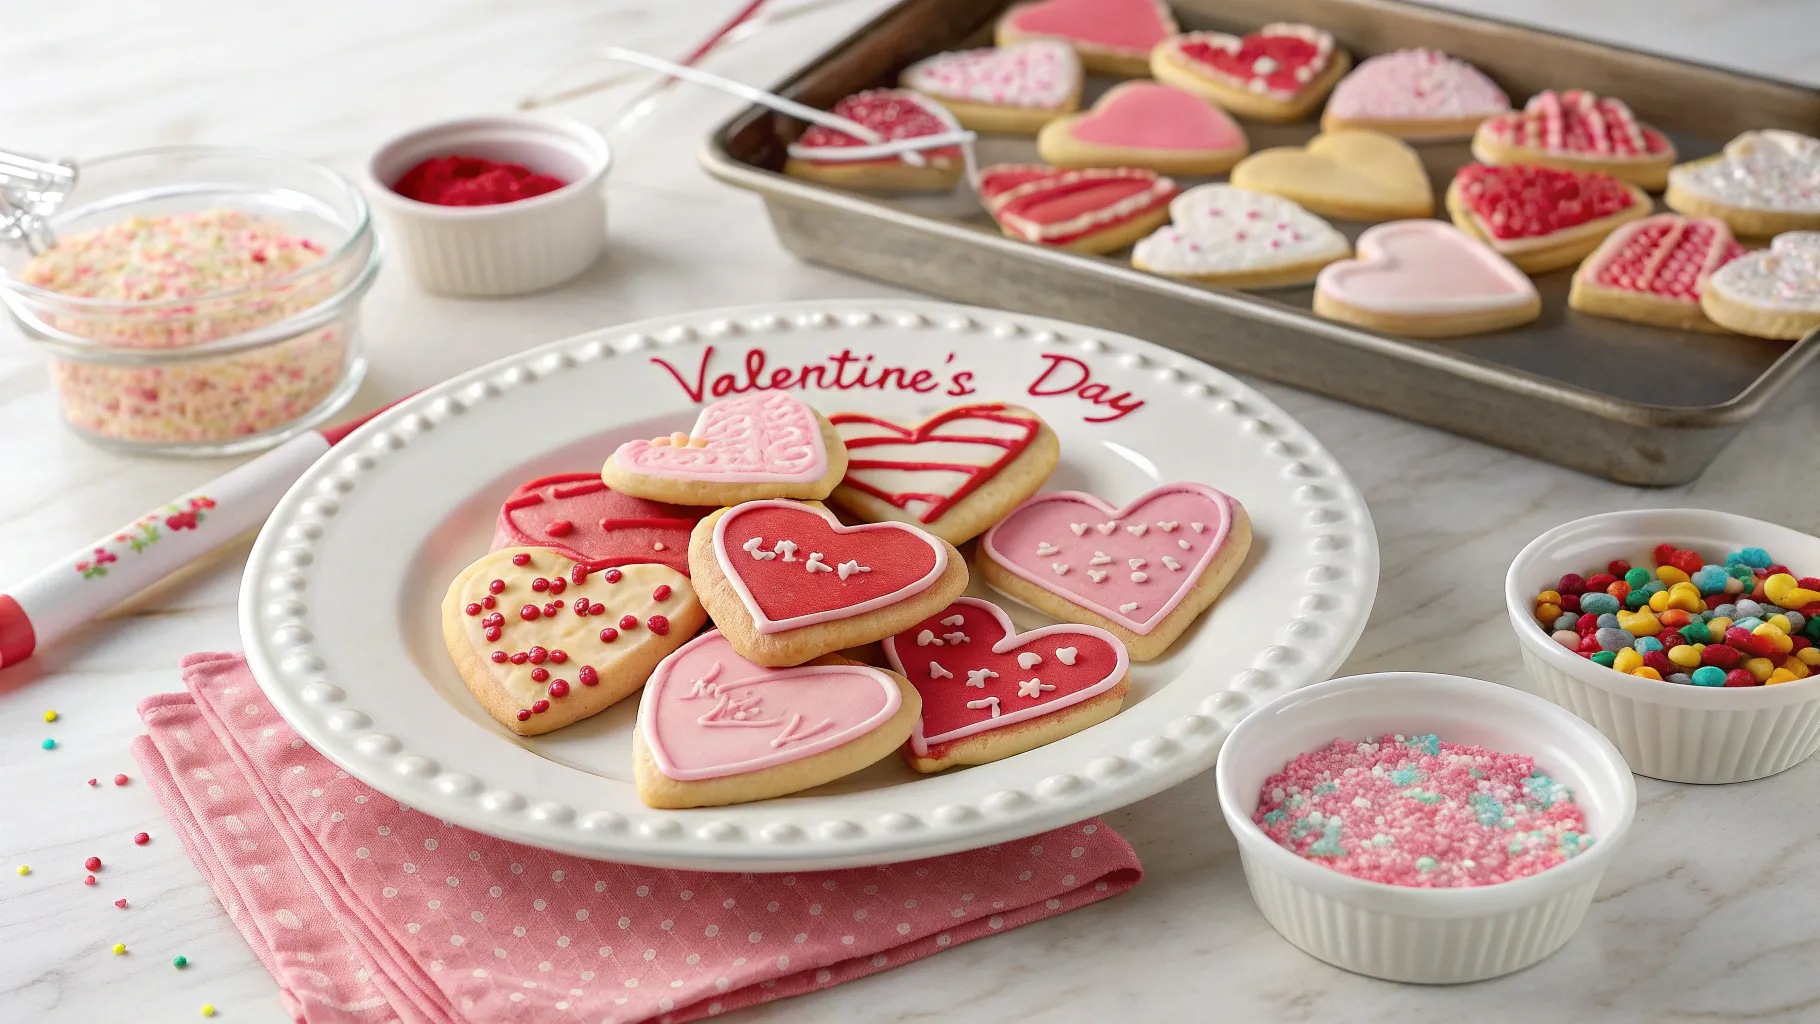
340,606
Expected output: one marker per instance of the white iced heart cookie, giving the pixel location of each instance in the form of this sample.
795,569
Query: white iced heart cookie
1764,183
1771,293
1231,236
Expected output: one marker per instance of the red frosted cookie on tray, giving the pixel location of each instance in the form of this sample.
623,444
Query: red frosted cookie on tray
580,517
1146,124
1578,131
836,158
1278,73
1653,270
1096,209
1541,218
1143,572
990,692
1113,37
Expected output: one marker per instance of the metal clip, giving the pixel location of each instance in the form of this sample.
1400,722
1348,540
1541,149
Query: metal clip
30,191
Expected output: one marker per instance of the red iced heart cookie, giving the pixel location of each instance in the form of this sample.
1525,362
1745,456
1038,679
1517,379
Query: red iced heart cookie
976,675
708,713
579,517
1541,218
1653,270
1577,130
1146,124
1079,209
1112,36
893,114
794,566
1425,279
1276,73
937,462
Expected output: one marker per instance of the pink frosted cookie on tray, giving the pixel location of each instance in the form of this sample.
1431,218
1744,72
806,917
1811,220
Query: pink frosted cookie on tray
1422,812
1016,89
716,729
1113,37
1414,94
1143,572
1146,124
1652,271
1425,279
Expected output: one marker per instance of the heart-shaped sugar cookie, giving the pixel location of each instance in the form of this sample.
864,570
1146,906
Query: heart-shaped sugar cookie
579,517
1095,209
1278,73
1578,131
1014,89
1232,236
978,676
760,444
1424,278
1146,124
1770,293
1112,36
1414,94
1350,175
543,642
1765,183
1653,270
837,158
1541,218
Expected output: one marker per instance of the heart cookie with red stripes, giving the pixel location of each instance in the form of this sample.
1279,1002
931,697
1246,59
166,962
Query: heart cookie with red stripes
1096,210
1577,130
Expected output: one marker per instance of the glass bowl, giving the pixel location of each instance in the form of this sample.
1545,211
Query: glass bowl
206,372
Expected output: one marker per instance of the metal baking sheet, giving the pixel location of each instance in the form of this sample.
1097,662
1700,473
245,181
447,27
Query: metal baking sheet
1645,405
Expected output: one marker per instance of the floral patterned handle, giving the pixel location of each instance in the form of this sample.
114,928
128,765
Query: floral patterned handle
83,585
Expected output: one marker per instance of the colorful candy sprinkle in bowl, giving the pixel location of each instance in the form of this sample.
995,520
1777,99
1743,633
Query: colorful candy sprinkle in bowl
1402,932
1679,733
200,300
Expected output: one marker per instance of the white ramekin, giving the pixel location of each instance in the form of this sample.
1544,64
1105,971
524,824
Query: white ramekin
1431,936
510,248
1667,730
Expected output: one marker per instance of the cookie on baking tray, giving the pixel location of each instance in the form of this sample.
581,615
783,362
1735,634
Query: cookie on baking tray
1350,175
1281,72
579,517
1112,37
990,692
1093,209
1577,130
834,157
1015,90
1652,271
716,729
1763,184
1769,293
542,641
787,581
952,475
1143,572
1145,124
1414,94
1222,235
1425,279
1541,218
764,444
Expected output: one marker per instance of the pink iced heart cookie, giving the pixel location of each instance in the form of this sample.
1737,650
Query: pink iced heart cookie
1015,89
579,517
1278,73
1769,293
1112,36
1653,270
1576,130
787,581
1143,572
1146,124
1414,94
714,728
835,157
990,692
1425,279
758,445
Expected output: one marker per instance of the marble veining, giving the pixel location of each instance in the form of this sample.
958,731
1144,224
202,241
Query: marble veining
1709,915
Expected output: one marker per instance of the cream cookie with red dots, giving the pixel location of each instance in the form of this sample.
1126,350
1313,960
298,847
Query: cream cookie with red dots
543,642
763,444
1237,238
787,582
1016,89
716,729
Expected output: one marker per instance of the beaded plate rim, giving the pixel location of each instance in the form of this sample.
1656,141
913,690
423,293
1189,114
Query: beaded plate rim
1150,746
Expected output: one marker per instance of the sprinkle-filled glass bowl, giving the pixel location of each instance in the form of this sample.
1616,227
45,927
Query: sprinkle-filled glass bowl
200,300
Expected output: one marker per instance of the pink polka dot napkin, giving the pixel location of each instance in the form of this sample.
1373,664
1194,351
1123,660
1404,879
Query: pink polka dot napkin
366,911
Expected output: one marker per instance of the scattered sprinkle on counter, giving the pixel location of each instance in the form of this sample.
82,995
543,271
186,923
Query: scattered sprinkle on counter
1422,812
50,716
93,863
49,744
208,1009
180,962
141,839
119,949
121,780
24,869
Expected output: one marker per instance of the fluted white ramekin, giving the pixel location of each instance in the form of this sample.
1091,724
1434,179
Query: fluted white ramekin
1432,936
510,248
1667,730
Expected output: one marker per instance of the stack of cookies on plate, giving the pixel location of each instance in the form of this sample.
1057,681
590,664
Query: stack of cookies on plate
1564,181
834,635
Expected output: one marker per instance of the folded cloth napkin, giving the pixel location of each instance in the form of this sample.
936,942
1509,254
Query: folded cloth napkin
367,911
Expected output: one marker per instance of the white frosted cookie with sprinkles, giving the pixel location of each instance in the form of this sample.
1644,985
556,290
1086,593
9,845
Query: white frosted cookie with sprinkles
1769,293
1763,184
1234,237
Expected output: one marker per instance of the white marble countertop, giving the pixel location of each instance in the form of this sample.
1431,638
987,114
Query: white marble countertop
1711,914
